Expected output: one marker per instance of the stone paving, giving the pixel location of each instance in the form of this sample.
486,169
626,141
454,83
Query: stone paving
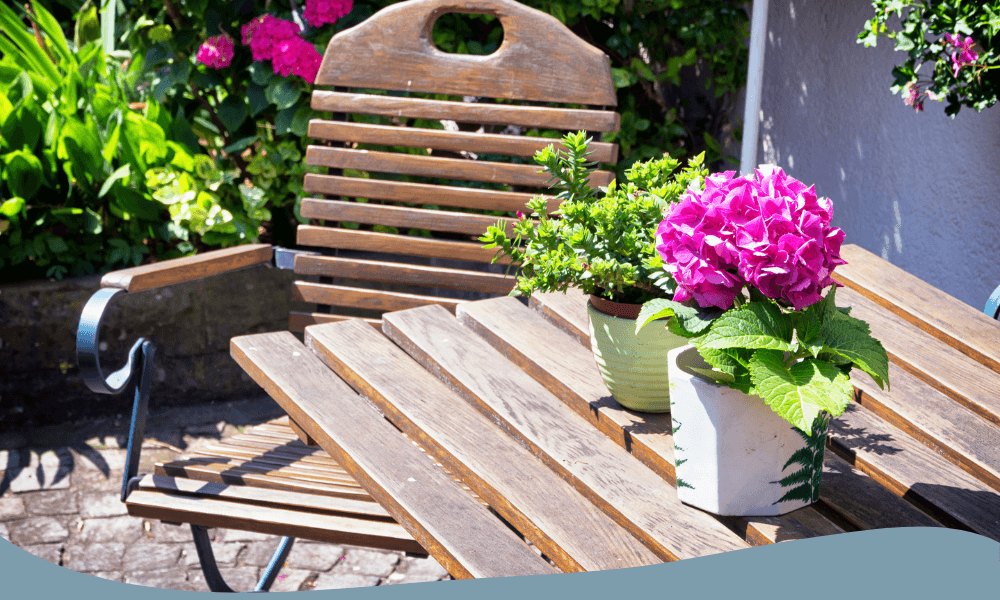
59,500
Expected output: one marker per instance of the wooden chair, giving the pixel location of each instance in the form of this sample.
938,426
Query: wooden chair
269,480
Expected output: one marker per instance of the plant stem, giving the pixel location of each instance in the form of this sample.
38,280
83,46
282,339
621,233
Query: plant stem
174,15
38,33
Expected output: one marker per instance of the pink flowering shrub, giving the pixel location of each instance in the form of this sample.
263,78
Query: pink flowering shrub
319,12
216,52
769,231
274,39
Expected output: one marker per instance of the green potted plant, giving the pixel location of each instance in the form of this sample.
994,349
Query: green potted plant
770,354
602,242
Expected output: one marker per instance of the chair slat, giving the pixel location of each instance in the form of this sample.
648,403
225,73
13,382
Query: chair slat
339,295
371,270
209,512
540,59
432,166
398,216
456,141
467,112
298,321
371,241
420,193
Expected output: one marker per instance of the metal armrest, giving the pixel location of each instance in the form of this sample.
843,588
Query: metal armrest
189,268
992,308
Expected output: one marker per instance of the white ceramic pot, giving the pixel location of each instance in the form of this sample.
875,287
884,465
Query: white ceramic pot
734,455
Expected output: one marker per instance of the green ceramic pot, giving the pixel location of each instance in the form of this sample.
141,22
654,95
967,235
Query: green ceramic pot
634,367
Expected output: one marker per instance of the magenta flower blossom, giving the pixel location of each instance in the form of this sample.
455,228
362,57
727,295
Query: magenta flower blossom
216,52
964,54
769,231
295,56
264,33
319,12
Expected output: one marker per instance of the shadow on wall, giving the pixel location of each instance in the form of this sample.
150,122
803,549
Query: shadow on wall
913,188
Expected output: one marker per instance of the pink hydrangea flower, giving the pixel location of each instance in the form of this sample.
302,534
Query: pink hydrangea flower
264,33
767,230
319,12
216,52
295,56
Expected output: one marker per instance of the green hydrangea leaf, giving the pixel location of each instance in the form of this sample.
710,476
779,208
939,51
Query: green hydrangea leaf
691,321
756,325
798,393
850,338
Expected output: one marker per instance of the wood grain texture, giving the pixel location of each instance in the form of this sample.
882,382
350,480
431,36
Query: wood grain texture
372,241
433,166
937,421
402,217
486,113
298,321
567,311
926,357
861,501
302,435
454,528
210,512
455,141
930,309
635,496
420,193
570,530
372,270
540,59
269,479
263,497
914,472
188,268
527,339
338,295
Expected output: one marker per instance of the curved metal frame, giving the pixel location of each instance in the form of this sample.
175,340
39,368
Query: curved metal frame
138,374
992,308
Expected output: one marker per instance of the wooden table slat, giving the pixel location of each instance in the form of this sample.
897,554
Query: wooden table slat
548,511
920,303
915,472
449,523
636,497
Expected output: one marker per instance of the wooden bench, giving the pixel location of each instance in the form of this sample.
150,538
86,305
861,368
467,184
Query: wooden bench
510,400
542,77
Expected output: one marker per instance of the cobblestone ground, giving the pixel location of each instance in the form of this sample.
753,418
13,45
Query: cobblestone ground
59,500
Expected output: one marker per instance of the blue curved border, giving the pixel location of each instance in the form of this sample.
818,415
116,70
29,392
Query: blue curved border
911,563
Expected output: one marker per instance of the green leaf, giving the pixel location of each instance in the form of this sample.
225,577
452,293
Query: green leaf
691,320
232,112
283,121
23,172
282,92
261,73
92,222
12,207
240,144
121,173
57,245
756,325
257,99
848,337
798,393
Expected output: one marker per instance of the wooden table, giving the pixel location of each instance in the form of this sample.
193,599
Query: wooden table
507,399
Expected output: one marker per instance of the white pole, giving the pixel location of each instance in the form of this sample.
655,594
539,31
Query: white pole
755,83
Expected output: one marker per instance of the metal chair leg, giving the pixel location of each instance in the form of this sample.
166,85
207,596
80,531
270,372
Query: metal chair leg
211,570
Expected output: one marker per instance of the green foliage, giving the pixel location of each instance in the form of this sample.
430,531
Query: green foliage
603,245
796,361
918,28
807,479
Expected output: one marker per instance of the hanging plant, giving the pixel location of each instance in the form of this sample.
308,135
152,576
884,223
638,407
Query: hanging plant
957,38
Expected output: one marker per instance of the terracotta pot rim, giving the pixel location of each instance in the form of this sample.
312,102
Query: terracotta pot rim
622,310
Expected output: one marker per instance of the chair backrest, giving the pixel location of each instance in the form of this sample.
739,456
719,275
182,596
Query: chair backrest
438,176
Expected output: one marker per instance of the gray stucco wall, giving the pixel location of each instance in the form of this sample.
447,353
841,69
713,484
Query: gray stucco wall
921,190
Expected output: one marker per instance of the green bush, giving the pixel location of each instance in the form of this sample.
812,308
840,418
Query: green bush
110,158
